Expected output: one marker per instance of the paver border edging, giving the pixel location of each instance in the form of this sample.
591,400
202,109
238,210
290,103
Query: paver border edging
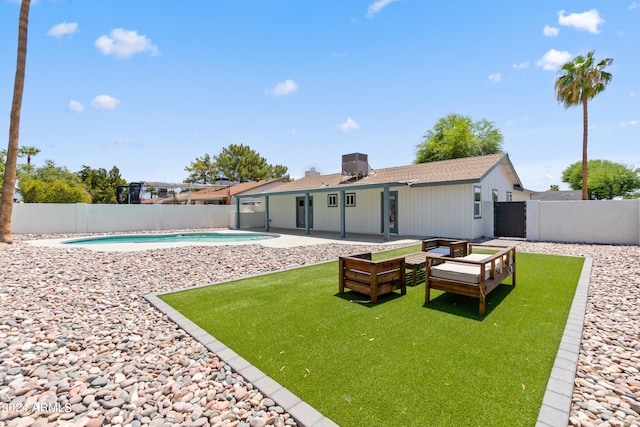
556,403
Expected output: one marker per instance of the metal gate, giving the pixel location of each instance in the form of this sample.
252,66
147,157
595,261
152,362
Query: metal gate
510,219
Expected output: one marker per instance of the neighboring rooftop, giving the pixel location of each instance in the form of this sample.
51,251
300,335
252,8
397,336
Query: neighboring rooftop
557,195
221,194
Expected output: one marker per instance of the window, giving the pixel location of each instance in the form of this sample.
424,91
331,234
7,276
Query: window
332,200
509,196
495,195
477,206
350,199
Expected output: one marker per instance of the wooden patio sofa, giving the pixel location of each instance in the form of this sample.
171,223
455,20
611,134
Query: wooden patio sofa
451,247
373,278
474,275
434,248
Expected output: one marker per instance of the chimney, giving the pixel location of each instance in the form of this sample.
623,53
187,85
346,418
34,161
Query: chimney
311,172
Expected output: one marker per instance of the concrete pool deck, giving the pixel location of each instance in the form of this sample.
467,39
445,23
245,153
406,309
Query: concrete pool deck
281,241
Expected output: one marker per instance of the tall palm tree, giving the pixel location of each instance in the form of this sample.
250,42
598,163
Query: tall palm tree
28,151
582,79
9,181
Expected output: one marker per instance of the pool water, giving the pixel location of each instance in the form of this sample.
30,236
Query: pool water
173,238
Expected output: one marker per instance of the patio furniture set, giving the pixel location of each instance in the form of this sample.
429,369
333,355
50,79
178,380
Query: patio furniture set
449,265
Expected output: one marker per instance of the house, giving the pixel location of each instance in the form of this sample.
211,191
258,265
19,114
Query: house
451,198
227,195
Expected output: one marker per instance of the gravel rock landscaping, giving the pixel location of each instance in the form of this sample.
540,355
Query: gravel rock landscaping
80,346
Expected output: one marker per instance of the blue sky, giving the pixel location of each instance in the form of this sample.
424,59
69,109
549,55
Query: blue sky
149,86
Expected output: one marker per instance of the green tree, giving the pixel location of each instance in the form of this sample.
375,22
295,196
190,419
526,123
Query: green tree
28,152
456,136
580,81
10,172
242,164
279,171
35,191
202,171
554,187
101,184
606,179
52,184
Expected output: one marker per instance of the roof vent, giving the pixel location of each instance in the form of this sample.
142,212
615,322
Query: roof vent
355,164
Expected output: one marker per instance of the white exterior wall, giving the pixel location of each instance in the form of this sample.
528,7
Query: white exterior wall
282,211
422,211
365,216
325,218
443,211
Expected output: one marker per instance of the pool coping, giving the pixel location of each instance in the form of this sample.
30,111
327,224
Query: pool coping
556,403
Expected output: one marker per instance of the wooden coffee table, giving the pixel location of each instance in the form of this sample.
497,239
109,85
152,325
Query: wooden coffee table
417,261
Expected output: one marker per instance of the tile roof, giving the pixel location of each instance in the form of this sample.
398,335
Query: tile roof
222,193
467,169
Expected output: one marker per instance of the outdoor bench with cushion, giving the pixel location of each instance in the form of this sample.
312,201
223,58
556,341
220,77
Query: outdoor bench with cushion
474,275
373,278
434,248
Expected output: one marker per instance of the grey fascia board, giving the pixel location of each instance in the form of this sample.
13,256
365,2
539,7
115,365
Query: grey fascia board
330,189
368,186
439,183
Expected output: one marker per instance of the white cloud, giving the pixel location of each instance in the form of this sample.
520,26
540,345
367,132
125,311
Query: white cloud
350,124
634,5
104,102
75,106
377,6
284,88
521,65
60,30
550,31
629,123
553,59
586,21
495,78
125,44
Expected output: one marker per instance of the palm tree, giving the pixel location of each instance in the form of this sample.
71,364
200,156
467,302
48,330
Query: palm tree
9,181
28,151
581,80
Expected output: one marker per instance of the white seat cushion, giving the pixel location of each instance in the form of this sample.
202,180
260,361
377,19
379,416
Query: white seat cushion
461,272
465,273
476,257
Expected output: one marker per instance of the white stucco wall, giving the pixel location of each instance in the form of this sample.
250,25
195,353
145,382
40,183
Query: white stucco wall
584,221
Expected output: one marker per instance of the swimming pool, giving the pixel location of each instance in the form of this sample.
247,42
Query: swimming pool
208,237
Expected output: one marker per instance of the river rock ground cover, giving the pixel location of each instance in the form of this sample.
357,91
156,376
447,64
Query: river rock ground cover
79,345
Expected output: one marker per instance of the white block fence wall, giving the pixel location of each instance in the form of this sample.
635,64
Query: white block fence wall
602,221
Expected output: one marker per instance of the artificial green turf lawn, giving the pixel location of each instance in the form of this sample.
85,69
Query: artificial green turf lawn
399,362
